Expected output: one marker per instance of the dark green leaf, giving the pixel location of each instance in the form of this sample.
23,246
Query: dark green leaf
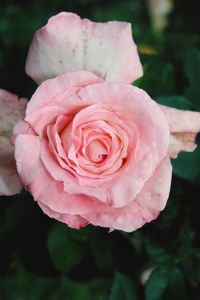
123,288
32,287
64,250
176,102
157,284
176,286
192,71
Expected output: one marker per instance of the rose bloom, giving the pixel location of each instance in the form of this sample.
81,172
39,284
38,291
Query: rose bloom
90,151
107,50
94,152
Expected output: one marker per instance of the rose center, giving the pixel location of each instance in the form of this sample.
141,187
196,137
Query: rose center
96,151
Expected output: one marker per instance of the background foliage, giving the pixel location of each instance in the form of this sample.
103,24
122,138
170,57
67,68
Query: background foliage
43,259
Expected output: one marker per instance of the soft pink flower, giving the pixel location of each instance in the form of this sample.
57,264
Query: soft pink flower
95,152
69,43
12,109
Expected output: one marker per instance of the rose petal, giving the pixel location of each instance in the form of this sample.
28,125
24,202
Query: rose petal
10,183
184,126
63,86
144,208
12,109
95,47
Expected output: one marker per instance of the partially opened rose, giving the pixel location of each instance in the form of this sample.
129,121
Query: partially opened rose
94,152
12,109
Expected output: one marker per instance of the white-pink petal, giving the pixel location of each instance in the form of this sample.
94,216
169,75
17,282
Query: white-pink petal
12,110
69,43
184,126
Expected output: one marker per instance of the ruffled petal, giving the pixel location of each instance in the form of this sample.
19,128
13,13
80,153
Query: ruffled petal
41,184
144,208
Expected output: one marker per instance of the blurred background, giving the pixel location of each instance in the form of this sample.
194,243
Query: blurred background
43,259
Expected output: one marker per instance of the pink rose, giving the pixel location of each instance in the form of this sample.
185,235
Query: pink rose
12,110
68,43
94,152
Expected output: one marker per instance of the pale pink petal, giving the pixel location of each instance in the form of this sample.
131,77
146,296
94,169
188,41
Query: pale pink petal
12,110
69,43
41,184
144,208
184,126
21,127
46,116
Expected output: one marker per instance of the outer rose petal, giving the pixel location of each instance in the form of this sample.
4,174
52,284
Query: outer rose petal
12,109
144,208
68,43
10,183
67,83
184,126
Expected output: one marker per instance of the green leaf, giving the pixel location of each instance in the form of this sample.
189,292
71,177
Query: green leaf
64,250
192,71
25,285
123,288
157,284
176,286
101,250
166,283
176,102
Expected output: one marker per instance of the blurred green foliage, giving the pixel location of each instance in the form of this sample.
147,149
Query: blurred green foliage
43,259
